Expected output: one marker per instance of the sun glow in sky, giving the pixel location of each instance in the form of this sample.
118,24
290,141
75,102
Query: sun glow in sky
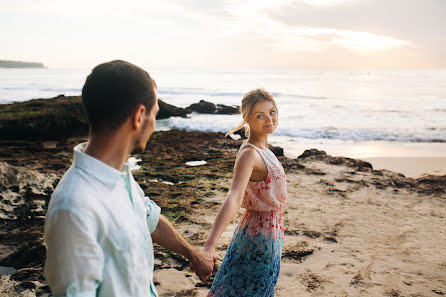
226,33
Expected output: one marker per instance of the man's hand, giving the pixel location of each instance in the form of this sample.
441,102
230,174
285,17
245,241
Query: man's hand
166,236
203,264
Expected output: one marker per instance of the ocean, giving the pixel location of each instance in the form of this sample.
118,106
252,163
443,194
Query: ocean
357,113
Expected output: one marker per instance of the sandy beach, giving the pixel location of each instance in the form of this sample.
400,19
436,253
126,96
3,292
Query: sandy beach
410,166
351,230
410,159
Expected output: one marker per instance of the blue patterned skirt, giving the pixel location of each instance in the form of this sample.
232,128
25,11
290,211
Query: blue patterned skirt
251,265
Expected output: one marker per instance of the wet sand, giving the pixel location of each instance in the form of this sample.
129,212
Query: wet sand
410,166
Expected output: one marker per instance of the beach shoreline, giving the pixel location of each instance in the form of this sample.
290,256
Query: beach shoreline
409,158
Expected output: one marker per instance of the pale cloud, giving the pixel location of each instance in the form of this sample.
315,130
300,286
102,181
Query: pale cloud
226,32
252,21
367,42
327,3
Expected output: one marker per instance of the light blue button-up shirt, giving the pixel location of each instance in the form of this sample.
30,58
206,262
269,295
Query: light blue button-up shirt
97,232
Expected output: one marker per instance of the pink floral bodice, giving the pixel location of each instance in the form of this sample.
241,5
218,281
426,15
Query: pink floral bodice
271,193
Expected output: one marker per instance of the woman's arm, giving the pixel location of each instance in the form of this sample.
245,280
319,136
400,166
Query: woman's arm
244,166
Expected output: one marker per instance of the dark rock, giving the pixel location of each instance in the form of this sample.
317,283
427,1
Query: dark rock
203,107
432,184
57,118
314,154
211,108
349,162
224,109
277,150
168,110
28,285
26,257
241,132
294,164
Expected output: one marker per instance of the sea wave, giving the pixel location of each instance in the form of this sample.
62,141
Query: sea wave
223,123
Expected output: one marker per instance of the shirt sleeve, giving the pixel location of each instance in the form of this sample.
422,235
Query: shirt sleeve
75,260
153,212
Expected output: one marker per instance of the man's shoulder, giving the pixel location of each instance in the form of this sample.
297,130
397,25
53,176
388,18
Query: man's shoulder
73,192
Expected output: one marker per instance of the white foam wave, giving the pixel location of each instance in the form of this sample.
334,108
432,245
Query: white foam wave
224,123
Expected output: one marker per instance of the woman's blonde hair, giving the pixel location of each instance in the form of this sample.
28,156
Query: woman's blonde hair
248,102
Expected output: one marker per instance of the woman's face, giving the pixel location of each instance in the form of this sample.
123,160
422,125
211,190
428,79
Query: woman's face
263,118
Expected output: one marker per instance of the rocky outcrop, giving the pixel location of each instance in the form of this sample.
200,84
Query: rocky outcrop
24,196
168,110
23,191
432,184
56,118
64,116
314,154
211,108
277,150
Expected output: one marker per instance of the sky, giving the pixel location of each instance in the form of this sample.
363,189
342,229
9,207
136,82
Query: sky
226,33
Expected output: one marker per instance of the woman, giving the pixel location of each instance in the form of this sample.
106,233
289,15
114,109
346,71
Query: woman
252,262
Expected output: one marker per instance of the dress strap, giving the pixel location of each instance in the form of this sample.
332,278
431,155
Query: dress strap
263,152
260,150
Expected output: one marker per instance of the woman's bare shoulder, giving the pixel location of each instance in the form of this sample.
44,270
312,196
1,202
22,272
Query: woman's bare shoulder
248,154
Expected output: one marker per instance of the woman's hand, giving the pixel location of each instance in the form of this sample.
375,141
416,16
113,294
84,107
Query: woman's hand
210,250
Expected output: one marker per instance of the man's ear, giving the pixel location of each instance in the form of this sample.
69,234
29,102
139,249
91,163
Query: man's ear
137,117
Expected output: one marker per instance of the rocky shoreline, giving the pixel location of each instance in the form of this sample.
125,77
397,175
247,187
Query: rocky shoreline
350,230
63,117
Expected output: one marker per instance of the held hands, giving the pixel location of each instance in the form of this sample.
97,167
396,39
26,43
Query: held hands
203,264
210,251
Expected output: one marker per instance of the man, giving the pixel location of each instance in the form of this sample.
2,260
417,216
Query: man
99,225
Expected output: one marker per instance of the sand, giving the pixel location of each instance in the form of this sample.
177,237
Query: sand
411,159
410,166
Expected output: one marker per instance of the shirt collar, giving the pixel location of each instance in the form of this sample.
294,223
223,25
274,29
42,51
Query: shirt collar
98,169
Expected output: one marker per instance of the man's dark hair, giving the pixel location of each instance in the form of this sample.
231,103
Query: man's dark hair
112,92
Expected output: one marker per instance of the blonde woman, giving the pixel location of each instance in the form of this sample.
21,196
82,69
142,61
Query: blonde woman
252,262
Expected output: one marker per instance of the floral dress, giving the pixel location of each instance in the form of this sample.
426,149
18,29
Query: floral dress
251,265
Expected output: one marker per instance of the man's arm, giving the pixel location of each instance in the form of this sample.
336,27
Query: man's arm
166,236
74,260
